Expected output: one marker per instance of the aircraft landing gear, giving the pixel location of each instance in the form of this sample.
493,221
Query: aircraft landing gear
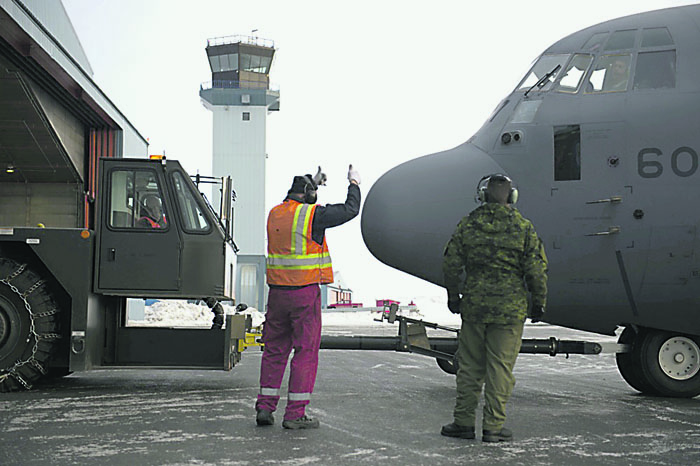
661,363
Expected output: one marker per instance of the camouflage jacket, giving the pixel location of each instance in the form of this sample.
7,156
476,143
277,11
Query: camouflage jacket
501,257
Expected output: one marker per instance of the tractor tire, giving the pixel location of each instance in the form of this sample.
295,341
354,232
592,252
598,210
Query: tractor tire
29,326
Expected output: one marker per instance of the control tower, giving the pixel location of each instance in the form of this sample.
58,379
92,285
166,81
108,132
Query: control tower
240,98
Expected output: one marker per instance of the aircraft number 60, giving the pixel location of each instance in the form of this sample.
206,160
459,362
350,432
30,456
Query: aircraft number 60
649,162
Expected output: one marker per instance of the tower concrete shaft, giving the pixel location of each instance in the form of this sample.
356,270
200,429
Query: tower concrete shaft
240,98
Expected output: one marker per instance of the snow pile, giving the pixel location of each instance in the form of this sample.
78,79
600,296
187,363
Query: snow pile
176,313
180,313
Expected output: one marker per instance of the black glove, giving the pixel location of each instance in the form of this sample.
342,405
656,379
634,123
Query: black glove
536,314
453,301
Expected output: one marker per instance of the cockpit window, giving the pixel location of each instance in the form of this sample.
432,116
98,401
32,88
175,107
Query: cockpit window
577,68
656,37
546,64
610,74
595,42
655,70
621,40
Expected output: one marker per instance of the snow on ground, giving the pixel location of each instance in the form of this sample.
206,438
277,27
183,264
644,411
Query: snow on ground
180,313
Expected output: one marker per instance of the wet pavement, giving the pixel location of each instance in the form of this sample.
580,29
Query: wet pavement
374,407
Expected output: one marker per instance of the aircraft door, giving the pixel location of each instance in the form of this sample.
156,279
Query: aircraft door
599,248
610,173
139,246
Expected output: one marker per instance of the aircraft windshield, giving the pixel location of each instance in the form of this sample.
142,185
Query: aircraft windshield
610,73
544,65
571,79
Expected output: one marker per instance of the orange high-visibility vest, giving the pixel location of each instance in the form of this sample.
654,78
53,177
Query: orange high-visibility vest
293,257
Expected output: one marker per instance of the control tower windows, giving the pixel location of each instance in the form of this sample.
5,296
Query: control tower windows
255,63
227,62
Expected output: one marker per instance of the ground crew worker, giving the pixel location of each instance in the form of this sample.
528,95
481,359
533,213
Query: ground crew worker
502,258
151,213
298,262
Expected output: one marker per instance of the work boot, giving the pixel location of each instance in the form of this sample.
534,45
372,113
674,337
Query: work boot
264,417
503,435
455,430
301,423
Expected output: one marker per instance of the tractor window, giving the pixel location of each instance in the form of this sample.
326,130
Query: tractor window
136,201
567,153
655,70
193,218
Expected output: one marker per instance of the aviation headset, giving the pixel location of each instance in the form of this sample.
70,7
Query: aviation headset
310,187
482,188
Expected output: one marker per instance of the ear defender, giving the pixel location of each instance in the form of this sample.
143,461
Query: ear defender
482,192
513,196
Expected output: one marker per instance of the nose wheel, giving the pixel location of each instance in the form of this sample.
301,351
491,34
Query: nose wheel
679,358
661,363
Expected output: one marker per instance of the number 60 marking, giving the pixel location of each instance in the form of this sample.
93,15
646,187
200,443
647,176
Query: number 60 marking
654,168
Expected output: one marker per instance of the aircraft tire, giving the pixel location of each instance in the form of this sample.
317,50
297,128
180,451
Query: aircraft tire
448,366
671,363
28,339
630,365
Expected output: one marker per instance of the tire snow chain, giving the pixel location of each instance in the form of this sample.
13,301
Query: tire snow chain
13,371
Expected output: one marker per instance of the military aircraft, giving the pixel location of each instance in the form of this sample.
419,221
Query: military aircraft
601,137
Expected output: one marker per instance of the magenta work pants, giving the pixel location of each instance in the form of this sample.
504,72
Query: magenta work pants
293,320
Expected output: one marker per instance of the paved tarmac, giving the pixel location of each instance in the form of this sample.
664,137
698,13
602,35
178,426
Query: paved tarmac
374,407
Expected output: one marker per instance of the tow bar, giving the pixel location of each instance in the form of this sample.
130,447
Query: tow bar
413,338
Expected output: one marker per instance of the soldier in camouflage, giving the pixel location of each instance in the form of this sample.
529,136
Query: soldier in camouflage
502,259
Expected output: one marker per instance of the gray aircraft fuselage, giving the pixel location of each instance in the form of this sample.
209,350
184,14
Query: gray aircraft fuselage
607,172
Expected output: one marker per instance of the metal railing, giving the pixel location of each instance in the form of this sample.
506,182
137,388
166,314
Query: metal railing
241,39
219,84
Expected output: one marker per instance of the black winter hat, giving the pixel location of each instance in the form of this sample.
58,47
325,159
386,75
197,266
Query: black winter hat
300,183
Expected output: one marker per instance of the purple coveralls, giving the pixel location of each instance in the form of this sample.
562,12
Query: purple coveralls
293,320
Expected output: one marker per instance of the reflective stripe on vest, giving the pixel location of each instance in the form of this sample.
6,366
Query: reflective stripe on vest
296,259
153,223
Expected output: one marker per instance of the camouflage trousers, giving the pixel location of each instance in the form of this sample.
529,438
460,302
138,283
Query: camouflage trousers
486,356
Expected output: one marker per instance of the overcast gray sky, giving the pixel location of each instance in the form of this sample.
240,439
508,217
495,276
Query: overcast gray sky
372,83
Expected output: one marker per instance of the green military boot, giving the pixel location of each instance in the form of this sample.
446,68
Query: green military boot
503,435
455,430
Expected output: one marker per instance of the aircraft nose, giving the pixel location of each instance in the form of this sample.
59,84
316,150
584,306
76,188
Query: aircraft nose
412,210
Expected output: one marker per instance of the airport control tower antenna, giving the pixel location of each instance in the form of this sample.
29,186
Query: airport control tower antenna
240,97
